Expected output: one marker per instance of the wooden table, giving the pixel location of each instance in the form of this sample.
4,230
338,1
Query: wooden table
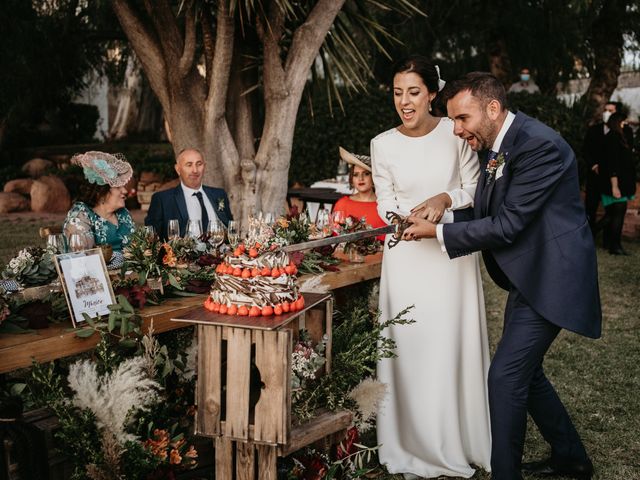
60,340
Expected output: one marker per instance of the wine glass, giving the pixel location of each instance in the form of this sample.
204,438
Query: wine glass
149,231
215,233
233,233
173,230
322,221
194,228
338,219
78,242
58,242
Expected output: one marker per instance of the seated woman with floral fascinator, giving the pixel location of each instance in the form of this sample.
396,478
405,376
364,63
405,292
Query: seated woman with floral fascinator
99,213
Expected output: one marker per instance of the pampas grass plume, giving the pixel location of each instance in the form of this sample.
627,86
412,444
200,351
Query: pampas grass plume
367,394
112,397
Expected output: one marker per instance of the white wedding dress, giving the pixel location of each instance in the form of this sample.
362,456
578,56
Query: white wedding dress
435,418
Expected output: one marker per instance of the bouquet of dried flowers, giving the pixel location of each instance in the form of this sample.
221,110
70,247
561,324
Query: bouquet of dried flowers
365,246
32,266
150,258
294,227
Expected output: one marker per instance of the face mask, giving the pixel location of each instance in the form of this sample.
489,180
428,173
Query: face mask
525,77
605,116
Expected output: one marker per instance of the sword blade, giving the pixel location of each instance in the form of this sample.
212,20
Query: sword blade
347,237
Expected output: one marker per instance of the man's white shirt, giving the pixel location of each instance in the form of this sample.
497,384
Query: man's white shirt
193,205
455,202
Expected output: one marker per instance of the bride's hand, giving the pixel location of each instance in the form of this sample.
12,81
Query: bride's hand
419,228
432,208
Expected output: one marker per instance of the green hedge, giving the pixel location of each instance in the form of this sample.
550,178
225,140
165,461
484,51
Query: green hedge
316,140
319,132
568,121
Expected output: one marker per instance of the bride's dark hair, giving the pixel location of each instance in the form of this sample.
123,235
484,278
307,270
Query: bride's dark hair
426,70
421,66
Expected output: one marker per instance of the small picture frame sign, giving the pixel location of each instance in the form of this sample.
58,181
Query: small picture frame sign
86,284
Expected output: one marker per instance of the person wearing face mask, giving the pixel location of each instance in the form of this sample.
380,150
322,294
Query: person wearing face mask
594,150
526,84
99,213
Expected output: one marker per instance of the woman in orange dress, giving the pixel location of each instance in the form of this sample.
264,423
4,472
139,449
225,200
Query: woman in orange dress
361,204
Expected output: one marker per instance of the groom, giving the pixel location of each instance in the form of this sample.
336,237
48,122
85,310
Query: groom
532,229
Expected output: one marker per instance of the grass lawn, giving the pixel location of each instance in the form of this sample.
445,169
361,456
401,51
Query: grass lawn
598,380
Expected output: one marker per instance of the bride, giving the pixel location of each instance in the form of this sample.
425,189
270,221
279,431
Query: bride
435,419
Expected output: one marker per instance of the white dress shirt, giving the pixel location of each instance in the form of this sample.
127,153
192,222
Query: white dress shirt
496,148
193,205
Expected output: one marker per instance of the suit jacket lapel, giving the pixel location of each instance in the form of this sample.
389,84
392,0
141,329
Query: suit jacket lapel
482,180
181,205
215,200
507,144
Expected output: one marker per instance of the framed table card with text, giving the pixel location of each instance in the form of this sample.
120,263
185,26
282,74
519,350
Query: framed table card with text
86,284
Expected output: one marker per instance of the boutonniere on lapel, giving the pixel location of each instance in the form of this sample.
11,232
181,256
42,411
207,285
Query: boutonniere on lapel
493,165
221,205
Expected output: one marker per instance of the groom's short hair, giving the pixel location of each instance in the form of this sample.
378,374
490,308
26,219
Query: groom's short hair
482,85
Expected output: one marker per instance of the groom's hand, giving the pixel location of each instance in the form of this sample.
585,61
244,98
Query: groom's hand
432,208
420,228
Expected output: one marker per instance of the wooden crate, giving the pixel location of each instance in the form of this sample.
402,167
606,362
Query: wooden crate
244,387
244,370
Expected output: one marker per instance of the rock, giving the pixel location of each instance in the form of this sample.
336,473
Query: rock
37,166
49,194
13,202
19,185
150,177
171,184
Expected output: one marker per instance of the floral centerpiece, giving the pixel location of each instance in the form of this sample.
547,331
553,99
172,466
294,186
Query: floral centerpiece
33,266
183,263
365,246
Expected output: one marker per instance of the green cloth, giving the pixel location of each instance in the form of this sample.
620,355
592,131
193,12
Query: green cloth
609,200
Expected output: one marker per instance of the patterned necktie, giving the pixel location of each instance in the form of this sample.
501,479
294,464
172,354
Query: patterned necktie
204,216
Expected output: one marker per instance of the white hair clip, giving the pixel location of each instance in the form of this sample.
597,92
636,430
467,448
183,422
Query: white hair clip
441,83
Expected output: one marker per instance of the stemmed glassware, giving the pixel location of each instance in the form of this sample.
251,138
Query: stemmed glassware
78,242
58,242
322,222
233,233
173,229
194,228
215,233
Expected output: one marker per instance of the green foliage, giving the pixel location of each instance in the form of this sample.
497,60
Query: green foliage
321,129
358,344
159,162
47,50
568,121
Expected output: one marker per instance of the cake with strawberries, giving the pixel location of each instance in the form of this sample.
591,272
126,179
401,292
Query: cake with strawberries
255,282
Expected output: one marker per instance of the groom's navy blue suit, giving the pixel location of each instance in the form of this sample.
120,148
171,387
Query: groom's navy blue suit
532,228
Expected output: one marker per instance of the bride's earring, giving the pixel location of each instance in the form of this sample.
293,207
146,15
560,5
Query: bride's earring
429,106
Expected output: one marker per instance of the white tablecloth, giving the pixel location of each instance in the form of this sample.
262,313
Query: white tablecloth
341,187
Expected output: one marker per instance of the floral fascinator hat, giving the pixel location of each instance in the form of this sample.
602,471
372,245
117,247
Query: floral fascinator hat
104,168
363,161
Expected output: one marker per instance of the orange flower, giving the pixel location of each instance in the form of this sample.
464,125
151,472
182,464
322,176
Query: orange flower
175,458
191,453
283,222
158,444
169,258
